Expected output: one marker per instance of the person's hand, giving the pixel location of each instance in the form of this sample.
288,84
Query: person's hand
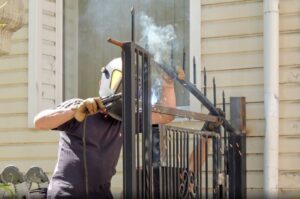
87,107
180,74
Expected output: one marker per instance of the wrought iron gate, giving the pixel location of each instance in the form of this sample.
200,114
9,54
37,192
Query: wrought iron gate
172,162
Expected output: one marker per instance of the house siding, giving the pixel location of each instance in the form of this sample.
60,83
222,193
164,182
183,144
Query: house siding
289,126
232,51
20,145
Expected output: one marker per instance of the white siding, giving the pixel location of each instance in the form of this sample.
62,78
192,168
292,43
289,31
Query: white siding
19,145
232,51
289,149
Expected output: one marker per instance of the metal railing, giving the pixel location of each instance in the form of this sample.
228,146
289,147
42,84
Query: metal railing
169,171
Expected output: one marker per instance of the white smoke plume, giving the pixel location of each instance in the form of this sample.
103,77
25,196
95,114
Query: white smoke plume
159,41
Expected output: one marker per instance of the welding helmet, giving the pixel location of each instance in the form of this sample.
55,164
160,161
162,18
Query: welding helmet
111,83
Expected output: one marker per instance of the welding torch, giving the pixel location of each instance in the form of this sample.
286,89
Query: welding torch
109,99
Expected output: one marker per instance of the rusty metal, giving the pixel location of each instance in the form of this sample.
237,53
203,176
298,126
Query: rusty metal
115,42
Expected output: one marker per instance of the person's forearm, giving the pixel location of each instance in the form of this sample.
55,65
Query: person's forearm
50,119
168,98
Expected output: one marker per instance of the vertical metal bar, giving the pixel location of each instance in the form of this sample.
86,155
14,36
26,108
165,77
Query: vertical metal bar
132,25
137,119
147,123
215,151
215,167
155,161
197,167
167,165
205,83
225,148
181,161
187,151
129,166
237,161
140,77
170,165
187,158
177,167
214,92
200,184
195,71
183,60
194,163
206,166
174,167
163,184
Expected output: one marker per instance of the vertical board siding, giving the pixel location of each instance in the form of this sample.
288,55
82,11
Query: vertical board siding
19,145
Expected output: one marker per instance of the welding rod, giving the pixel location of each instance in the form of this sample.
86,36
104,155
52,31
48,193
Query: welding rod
115,42
111,98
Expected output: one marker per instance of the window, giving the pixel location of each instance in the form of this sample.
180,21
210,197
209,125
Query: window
87,25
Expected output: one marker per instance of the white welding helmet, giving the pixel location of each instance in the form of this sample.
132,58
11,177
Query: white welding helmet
111,79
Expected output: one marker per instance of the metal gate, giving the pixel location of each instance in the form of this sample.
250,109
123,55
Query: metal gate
172,162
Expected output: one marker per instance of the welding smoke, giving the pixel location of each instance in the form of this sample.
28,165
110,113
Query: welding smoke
160,42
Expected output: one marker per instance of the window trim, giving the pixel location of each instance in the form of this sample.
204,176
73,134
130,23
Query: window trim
195,49
35,61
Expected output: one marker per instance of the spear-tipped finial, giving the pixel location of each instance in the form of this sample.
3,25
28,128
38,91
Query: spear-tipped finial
132,24
214,92
205,82
194,70
183,60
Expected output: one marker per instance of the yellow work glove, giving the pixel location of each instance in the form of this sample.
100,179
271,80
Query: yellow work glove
180,75
87,107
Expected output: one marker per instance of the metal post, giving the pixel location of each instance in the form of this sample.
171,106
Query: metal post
237,149
129,127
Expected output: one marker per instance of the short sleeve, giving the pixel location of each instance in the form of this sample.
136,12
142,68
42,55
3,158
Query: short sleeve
71,124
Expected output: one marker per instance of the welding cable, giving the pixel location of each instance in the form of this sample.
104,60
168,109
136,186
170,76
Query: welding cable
84,160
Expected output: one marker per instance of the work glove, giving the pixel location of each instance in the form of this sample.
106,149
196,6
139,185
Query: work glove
180,75
87,107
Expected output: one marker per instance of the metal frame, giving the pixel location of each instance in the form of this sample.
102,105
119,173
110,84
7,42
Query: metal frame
136,84
139,181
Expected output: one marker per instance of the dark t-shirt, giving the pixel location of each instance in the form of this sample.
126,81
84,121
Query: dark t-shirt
103,145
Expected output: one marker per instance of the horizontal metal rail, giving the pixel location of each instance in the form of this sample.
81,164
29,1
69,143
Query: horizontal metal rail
198,94
184,113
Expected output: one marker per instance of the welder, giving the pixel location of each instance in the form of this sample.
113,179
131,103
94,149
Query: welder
91,137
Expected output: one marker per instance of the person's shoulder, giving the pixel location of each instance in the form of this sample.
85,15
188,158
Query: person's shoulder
70,102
